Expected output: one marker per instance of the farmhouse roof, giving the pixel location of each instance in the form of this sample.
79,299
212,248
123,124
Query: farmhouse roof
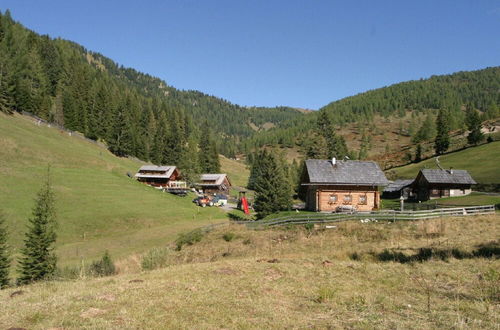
163,171
345,172
217,178
447,176
397,185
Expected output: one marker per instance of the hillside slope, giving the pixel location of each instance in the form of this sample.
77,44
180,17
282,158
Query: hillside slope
483,163
98,206
354,276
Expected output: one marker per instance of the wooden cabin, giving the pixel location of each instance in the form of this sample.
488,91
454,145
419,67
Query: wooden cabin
162,177
398,188
438,183
214,184
332,185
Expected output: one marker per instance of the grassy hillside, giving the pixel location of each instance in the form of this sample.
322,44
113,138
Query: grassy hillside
98,206
433,274
237,171
482,162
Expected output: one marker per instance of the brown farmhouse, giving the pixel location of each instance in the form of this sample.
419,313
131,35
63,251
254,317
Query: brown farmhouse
331,185
434,183
160,176
214,183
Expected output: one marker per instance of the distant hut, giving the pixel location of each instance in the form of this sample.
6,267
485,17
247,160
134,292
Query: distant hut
330,185
438,183
214,183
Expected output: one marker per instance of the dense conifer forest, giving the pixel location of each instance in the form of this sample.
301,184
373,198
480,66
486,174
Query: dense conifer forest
139,115
134,113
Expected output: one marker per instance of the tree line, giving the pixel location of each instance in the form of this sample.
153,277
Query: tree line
134,113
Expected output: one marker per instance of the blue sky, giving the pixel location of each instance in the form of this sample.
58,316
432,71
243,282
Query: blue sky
266,53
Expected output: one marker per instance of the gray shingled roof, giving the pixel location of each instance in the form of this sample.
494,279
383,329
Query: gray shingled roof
448,176
348,172
164,171
218,178
397,185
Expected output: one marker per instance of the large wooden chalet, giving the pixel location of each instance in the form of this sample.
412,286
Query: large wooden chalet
438,183
163,177
330,185
214,183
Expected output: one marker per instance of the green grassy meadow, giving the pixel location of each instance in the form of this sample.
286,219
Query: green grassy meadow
482,162
441,273
98,206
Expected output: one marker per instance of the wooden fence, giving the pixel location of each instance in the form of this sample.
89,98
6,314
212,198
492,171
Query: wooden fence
387,215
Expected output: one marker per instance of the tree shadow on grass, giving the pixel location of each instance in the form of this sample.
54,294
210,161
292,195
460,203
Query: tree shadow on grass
487,250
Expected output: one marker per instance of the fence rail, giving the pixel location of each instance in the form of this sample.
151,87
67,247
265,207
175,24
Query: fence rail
321,218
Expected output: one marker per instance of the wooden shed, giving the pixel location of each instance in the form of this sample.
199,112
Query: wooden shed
214,183
438,183
330,185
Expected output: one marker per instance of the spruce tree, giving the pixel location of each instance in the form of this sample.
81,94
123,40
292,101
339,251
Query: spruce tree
38,260
208,156
272,186
418,153
442,142
4,256
473,122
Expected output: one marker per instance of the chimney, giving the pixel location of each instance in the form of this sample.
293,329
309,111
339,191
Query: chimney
334,161
451,170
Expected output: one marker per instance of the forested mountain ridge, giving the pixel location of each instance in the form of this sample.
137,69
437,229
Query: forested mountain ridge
135,113
397,117
141,115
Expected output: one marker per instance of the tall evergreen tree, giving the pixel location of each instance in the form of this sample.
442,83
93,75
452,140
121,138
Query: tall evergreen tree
473,122
120,139
335,144
272,186
442,142
38,260
418,153
209,157
4,255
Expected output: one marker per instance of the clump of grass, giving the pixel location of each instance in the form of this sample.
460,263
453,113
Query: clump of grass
188,238
325,294
228,237
155,258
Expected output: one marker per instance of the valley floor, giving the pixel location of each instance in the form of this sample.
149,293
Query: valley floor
442,273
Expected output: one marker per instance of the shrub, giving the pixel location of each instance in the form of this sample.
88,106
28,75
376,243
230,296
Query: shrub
309,226
155,258
188,238
228,237
103,267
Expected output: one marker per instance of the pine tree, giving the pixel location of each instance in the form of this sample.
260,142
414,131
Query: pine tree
418,153
209,157
442,142
4,256
119,141
473,122
272,186
335,145
38,260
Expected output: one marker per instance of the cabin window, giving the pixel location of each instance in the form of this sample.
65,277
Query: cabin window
347,199
333,199
362,199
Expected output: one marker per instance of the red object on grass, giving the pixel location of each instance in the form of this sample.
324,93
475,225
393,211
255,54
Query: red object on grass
244,203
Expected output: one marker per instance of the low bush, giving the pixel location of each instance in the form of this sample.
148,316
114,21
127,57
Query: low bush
103,267
155,258
228,237
188,238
